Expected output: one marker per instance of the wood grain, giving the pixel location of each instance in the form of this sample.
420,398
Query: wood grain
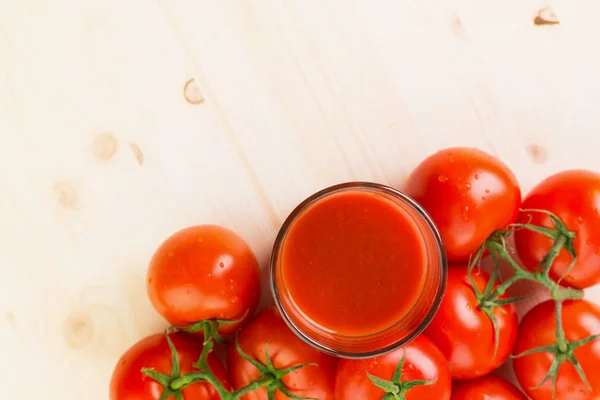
102,156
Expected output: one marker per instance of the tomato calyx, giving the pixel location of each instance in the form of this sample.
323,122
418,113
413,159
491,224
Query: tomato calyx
209,327
164,379
210,330
176,382
562,237
562,351
396,389
271,377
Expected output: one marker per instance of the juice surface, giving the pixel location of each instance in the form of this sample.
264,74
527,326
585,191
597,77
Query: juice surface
354,262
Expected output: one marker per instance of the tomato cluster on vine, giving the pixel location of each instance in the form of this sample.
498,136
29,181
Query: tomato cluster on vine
205,281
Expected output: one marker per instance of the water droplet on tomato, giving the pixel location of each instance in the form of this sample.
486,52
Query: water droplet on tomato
579,219
209,275
468,306
487,190
234,299
468,186
443,178
465,214
483,197
221,265
476,176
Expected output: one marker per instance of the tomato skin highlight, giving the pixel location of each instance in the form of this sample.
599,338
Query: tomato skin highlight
424,361
581,319
285,350
129,383
487,388
469,194
465,334
574,196
204,272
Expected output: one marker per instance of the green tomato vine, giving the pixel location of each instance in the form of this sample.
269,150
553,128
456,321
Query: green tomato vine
173,384
498,248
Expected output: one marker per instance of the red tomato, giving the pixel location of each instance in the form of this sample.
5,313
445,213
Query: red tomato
469,194
129,383
285,350
574,196
487,388
581,319
423,361
465,334
204,272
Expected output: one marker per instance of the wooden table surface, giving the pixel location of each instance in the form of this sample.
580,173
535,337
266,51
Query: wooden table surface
123,121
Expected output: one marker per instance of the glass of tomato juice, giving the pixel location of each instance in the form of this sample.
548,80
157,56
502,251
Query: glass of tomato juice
358,270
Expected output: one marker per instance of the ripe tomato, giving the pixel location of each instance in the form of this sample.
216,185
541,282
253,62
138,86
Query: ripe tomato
581,319
129,383
423,361
469,194
465,333
204,272
285,350
574,196
487,388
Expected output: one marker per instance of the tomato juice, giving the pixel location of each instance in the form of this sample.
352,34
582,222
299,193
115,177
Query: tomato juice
358,269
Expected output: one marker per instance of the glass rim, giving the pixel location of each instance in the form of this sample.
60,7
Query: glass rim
398,195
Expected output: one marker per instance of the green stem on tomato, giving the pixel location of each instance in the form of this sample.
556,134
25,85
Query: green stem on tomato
208,346
264,381
501,289
561,340
519,272
188,379
501,251
195,377
542,277
562,293
547,261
